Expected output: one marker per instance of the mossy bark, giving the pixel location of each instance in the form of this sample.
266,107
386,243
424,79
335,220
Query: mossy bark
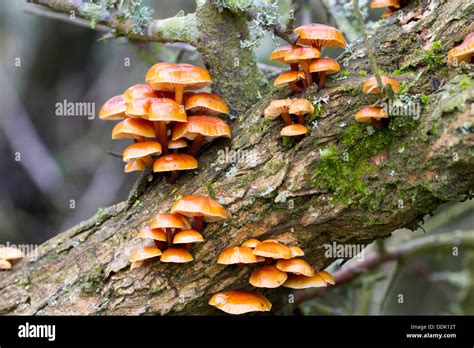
306,194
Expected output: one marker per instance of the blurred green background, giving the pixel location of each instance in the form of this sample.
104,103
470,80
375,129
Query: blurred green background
56,171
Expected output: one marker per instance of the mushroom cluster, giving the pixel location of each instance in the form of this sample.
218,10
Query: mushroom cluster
7,256
313,67
376,115
283,266
174,233
155,115
284,108
464,52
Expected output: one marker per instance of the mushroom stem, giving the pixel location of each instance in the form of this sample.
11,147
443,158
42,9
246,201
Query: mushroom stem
294,66
301,119
161,131
322,79
295,88
286,118
379,124
173,177
178,95
159,244
198,223
169,239
198,141
309,79
393,8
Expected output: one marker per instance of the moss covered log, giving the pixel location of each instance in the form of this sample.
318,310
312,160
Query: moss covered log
344,183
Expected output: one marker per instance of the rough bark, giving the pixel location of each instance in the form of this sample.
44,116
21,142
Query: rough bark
379,182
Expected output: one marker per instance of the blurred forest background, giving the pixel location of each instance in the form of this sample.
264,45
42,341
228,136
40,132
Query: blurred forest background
56,171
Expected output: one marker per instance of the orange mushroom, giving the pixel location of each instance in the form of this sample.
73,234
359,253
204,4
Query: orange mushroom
138,257
141,150
303,56
295,266
176,255
290,78
113,109
464,52
371,86
267,276
135,165
205,103
138,108
240,302
320,35
272,250
170,223
278,55
324,66
328,278
295,281
301,107
156,234
5,264
237,255
373,115
251,243
187,237
198,128
175,145
293,130
392,5
174,163
138,91
296,251
135,128
280,107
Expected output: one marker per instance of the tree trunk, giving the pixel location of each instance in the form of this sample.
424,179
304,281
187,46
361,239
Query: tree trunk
343,183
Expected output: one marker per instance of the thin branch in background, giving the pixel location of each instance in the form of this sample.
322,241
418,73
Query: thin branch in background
368,46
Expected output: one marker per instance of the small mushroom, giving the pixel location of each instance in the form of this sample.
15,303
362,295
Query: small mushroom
272,250
320,35
294,130
170,223
135,128
200,208
178,78
200,128
290,78
163,111
113,109
251,243
240,302
296,251
138,91
371,86
295,266
280,107
464,52
328,278
4,265
156,234
142,151
11,254
175,145
278,55
301,107
138,257
295,281
135,165
174,163
188,237
392,5
303,56
176,255
371,114
138,108
237,255
205,104
324,66
267,276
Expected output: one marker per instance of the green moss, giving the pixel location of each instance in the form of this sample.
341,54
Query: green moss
425,99
362,73
212,194
343,75
94,280
318,112
465,83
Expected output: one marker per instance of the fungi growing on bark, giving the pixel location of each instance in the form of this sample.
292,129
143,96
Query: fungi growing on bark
140,153
268,276
295,281
176,255
371,86
319,36
5,265
240,302
251,243
373,115
237,255
303,56
135,128
277,108
300,108
295,266
293,130
174,163
140,256
290,78
464,52
204,103
324,66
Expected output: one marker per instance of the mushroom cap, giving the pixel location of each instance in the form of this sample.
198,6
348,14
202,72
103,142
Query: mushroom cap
293,130
9,253
267,276
463,52
206,207
235,255
167,221
276,108
205,103
289,76
142,149
240,302
328,65
152,233
328,278
186,76
371,87
176,255
175,161
177,144
134,128
166,110
134,165
320,35
301,107
272,250
208,126
188,236
138,108
144,254
113,109
368,112
278,55
138,91
296,251
295,266
251,243
4,264
295,281
299,53
151,73
387,13
384,3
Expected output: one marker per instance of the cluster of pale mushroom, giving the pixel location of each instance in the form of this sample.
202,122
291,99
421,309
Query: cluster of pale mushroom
282,267
284,108
173,234
7,256
463,52
309,58
376,115
155,115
